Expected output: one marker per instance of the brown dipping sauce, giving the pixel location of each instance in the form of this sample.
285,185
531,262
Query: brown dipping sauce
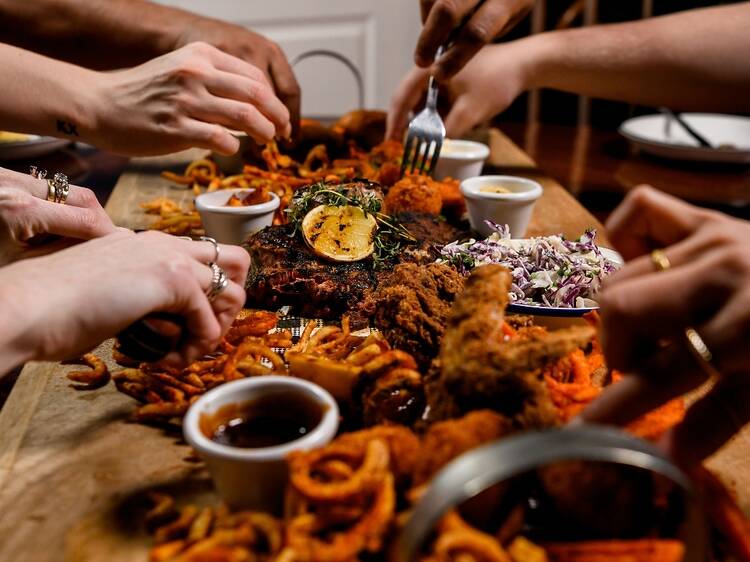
267,421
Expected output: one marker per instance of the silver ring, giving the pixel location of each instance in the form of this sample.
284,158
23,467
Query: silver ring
219,282
217,250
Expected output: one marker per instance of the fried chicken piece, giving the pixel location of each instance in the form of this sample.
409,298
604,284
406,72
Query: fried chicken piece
480,369
412,305
414,193
446,440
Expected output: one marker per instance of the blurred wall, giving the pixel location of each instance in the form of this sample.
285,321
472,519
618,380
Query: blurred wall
376,36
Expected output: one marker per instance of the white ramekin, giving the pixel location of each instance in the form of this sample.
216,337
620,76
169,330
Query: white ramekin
461,159
231,225
513,209
256,478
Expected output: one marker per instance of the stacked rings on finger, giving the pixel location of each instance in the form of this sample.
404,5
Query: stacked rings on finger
216,248
219,282
695,343
58,188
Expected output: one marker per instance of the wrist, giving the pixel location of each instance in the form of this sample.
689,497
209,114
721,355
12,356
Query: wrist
537,56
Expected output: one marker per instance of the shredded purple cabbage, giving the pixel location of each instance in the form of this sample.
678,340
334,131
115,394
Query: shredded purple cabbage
547,271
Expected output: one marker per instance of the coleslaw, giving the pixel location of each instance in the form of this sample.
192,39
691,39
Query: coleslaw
547,271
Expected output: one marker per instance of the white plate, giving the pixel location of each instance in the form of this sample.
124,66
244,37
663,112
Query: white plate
649,133
533,310
34,147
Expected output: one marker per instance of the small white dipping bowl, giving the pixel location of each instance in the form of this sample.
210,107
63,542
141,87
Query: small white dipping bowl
513,209
256,478
231,225
461,159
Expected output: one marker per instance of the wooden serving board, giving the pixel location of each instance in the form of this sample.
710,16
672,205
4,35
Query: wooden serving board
74,471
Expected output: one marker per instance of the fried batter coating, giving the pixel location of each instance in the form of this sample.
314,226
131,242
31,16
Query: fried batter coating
480,368
412,306
414,193
446,440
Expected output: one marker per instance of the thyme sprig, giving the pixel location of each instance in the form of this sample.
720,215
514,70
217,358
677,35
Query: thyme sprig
390,236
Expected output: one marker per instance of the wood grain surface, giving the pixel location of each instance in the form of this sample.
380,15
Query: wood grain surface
74,471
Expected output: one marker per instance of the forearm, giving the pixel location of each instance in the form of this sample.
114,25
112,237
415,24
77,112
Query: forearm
44,96
14,314
128,31
696,60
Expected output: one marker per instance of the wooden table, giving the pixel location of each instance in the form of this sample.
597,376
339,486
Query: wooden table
599,167
74,471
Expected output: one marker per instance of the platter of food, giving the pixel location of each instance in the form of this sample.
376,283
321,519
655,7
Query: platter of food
350,293
15,146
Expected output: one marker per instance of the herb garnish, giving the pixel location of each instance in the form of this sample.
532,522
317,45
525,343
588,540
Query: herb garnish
390,235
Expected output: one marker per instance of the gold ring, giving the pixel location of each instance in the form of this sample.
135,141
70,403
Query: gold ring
660,260
51,191
700,351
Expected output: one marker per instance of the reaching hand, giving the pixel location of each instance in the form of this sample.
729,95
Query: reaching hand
487,20
188,98
26,217
485,87
69,301
254,49
645,313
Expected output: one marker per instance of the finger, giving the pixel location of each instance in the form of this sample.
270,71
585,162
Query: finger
201,134
234,65
71,222
77,197
681,253
202,330
406,97
234,260
227,305
711,421
670,373
492,19
424,8
649,219
727,334
258,94
443,16
461,118
234,115
287,89
637,313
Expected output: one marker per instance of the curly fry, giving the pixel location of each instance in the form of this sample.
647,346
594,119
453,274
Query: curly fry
365,535
97,377
177,528
247,348
374,463
163,510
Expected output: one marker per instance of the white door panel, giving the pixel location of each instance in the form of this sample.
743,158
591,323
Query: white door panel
376,36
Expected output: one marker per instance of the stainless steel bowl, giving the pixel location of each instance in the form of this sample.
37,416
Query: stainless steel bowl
481,468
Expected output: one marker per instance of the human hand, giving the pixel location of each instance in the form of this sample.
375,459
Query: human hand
486,86
26,217
187,98
65,303
252,48
487,19
644,315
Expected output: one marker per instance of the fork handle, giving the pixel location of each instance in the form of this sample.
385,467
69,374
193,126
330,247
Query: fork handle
432,86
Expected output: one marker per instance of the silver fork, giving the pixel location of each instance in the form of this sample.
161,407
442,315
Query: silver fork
425,131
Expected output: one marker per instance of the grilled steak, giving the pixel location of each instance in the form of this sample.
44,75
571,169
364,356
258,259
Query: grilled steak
285,272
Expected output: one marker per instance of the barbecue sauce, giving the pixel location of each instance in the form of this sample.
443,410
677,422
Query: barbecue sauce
267,421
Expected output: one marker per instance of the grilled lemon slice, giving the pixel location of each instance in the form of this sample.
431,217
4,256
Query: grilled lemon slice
340,233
